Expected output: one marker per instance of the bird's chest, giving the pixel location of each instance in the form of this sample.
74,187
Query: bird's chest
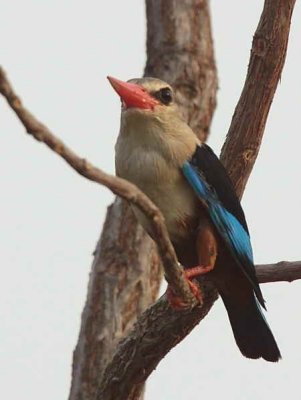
165,185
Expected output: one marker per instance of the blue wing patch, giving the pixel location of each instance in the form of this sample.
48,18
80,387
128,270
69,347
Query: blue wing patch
230,229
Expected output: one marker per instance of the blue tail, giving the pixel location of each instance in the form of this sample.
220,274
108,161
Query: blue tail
251,331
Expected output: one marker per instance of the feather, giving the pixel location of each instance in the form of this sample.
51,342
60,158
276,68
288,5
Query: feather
231,230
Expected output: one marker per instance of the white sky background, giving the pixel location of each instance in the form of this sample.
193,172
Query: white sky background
57,54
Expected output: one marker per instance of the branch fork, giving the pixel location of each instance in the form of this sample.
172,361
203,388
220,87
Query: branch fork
159,328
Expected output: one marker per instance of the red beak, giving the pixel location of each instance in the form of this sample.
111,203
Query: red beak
133,95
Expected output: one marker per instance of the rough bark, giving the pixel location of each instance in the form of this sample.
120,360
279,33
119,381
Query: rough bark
239,155
283,271
180,51
117,291
157,331
268,54
151,339
126,271
189,65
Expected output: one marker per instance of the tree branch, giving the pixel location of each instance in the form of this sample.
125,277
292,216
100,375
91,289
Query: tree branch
126,271
126,190
141,351
268,54
281,271
238,155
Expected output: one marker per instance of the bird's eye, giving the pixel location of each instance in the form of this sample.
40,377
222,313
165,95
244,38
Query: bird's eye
164,95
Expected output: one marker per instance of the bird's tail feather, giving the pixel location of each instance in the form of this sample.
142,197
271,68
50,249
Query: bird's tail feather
251,330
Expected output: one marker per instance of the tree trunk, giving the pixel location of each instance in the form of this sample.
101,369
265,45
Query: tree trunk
126,272
159,329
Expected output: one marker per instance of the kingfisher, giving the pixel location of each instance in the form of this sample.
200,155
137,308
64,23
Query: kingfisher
158,152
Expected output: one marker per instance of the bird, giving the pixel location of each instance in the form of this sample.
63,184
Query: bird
158,152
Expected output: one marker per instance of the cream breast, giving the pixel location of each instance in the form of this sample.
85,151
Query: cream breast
162,182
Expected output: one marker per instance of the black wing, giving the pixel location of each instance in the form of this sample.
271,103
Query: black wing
217,177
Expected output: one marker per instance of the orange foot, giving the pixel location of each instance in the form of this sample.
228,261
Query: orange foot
176,302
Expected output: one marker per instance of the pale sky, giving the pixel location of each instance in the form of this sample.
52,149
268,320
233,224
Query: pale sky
57,54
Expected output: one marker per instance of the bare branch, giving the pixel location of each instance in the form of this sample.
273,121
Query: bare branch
187,63
160,327
282,271
122,188
268,54
139,354
238,155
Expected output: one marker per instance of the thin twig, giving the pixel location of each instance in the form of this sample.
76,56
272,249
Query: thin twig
143,340
160,328
283,271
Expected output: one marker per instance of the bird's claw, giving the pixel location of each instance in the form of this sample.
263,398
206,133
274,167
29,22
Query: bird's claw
176,302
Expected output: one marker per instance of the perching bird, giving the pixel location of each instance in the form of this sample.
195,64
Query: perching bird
158,151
